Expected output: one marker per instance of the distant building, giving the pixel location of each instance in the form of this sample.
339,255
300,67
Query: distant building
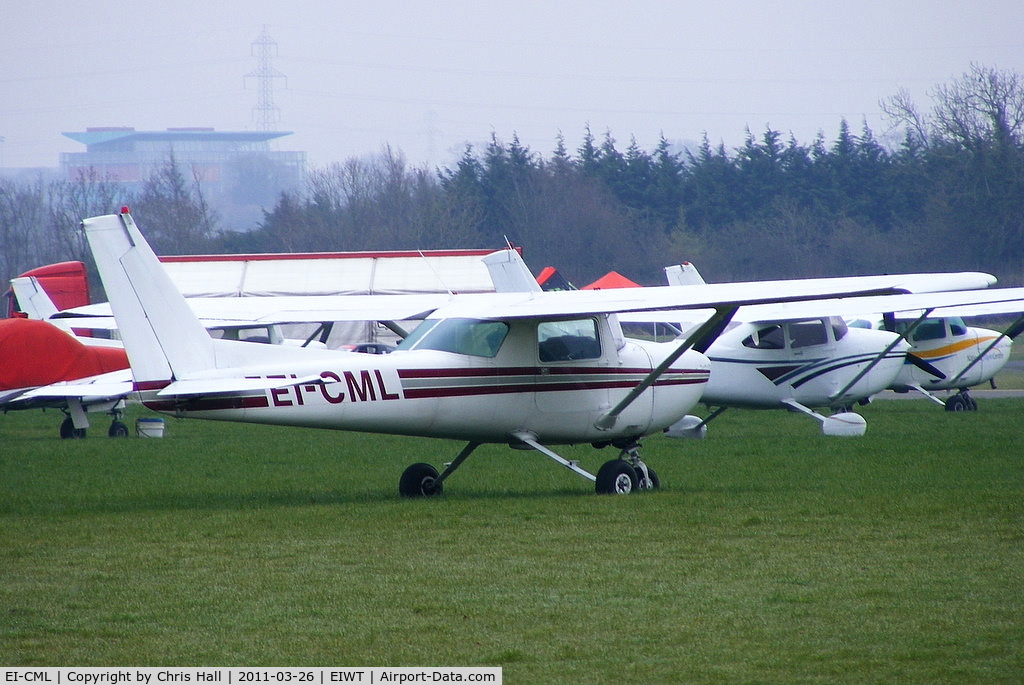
236,169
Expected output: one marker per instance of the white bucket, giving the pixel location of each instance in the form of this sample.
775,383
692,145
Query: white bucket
149,428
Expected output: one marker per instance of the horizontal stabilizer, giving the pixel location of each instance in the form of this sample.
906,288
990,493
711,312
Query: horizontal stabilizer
114,384
216,386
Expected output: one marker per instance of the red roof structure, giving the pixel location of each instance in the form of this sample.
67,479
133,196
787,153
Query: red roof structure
612,279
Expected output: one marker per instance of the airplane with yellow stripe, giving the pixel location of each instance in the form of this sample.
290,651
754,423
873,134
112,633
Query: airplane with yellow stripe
965,355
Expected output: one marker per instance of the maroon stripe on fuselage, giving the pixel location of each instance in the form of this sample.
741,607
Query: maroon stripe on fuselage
207,403
150,385
597,379
531,371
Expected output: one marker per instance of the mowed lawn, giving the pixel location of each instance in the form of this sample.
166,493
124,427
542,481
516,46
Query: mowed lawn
771,553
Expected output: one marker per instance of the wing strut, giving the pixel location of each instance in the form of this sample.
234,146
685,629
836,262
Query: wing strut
395,328
717,322
321,334
874,362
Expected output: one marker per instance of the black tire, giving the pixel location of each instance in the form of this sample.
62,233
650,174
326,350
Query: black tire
616,477
419,481
655,483
118,430
68,430
957,403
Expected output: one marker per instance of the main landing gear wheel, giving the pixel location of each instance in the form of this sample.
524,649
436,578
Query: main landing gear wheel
961,401
419,480
118,430
68,430
616,477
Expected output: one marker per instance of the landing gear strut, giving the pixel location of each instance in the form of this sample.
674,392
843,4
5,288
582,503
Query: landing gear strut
423,480
117,428
619,476
75,422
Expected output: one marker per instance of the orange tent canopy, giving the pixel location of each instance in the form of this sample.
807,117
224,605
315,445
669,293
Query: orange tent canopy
612,279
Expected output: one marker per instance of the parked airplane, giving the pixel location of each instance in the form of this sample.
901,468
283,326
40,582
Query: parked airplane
798,365
944,353
527,369
75,375
964,356
780,362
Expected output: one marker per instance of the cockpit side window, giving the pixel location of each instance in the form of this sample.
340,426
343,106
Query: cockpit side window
957,327
768,338
559,341
807,333
839,327
930,329
474,337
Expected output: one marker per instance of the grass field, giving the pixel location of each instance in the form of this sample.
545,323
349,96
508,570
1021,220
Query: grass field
771,554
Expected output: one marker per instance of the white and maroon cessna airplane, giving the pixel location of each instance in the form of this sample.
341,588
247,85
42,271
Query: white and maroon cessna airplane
527,369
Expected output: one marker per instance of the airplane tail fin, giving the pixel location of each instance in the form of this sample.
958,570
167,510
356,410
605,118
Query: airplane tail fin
683,274
32,298
509,273
162,336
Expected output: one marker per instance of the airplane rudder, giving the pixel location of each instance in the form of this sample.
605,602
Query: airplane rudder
161,333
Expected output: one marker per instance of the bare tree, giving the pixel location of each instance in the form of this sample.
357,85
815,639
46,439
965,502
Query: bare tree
71,201
177,216
22,215
983,106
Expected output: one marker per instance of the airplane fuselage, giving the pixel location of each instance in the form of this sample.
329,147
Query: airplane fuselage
552,379
809,362
951,347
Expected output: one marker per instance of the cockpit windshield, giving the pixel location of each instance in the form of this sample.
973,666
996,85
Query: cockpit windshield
474,337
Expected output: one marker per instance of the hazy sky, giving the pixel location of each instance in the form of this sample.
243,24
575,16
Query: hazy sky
427,77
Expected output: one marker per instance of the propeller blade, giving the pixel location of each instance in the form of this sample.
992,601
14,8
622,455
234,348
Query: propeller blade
1016,329
925,366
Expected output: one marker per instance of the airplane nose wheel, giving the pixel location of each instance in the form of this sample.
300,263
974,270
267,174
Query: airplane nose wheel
627,473
616,477
419,480
962,401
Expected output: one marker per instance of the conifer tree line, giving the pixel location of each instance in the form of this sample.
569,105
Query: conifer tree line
948,196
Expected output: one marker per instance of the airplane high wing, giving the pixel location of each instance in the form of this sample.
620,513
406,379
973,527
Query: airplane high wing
527,369
797,356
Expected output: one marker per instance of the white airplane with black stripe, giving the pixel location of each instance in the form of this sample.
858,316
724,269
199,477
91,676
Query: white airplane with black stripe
775,361
531,370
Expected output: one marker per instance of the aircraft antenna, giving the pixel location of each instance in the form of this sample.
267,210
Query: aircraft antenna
266,113
436,274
